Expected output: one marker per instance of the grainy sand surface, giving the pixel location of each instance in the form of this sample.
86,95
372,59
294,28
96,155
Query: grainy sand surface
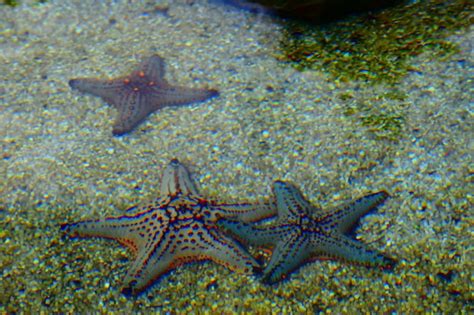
60,162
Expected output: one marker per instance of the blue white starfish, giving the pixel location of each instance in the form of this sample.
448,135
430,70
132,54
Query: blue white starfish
303,232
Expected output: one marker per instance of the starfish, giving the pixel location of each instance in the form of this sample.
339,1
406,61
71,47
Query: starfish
302,232
176,228
141,93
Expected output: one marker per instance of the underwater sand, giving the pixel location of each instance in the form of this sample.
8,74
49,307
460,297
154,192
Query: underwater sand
60,162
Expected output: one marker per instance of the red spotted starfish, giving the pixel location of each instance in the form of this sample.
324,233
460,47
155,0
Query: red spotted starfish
141,93
177,228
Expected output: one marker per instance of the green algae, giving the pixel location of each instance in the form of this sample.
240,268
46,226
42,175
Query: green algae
14,3
11,3
376,47
383,115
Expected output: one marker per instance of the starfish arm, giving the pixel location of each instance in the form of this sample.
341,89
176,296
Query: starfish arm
163,95
122,229
226,251
345,217
132,111
188,242
244,212
153,68
288,255
106,89
177,179
153,260
338,246
249,233
136,282
290,201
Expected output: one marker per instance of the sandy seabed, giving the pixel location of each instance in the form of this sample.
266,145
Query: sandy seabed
60,162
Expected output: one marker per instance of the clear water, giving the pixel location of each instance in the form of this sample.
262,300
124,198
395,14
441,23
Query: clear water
60,162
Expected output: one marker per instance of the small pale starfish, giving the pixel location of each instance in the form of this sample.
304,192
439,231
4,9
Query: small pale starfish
302,232
177,228
141,93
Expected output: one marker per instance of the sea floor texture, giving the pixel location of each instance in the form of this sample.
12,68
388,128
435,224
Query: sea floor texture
60,162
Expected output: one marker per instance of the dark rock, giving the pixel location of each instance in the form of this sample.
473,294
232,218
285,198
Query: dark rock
314,10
